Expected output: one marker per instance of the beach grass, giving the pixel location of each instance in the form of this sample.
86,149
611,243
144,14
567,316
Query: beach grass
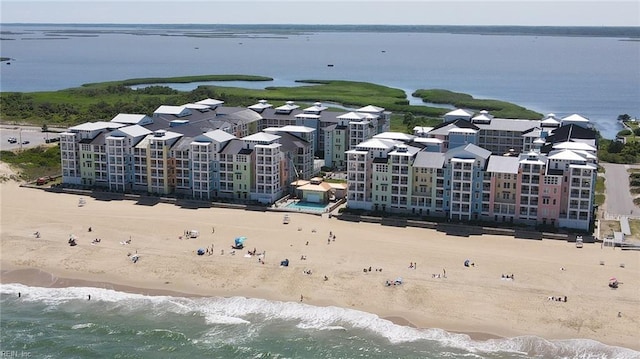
634,225
35,162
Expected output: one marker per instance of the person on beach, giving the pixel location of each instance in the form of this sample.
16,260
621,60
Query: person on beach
89,297
301,298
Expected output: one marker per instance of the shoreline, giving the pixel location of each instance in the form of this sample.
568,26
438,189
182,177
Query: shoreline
34,277
474,301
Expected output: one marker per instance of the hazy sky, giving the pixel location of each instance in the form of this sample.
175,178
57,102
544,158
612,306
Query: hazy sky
417,12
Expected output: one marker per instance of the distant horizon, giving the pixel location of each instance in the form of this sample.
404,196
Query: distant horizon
565,13
323,25
626,32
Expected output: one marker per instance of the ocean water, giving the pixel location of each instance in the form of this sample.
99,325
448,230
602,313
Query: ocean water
62,323
595,76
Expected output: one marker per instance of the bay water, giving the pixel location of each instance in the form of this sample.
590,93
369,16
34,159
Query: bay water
595,76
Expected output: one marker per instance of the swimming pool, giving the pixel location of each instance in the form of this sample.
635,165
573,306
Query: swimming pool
307,206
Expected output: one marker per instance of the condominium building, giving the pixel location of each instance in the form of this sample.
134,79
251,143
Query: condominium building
549,180
206,150
335,132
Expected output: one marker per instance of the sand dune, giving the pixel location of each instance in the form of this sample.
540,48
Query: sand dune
469,299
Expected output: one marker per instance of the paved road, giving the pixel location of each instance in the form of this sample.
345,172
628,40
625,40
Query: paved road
618,200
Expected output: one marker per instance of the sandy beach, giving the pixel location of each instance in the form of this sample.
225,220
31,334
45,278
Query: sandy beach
438,292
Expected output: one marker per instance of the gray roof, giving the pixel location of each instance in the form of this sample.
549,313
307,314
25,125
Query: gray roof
429,160
472,149
201,122
292,142
182,144
233,147
262,137
331,127
444,130
503,164
219,135
507,124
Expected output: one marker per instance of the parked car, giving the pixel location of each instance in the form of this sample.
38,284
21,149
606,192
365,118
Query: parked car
25,142
12,140
43,180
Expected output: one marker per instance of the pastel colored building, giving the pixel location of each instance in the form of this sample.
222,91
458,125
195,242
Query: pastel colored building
531,173
206,150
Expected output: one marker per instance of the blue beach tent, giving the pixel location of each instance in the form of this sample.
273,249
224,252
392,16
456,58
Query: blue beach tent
240,241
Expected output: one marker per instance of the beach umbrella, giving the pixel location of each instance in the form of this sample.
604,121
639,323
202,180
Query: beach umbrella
613,279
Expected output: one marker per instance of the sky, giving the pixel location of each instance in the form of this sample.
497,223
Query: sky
356,12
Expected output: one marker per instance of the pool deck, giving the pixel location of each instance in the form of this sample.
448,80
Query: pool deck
286,207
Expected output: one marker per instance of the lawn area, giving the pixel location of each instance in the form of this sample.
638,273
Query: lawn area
600,190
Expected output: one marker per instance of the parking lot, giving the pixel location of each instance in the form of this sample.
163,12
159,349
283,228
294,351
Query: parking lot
33,135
